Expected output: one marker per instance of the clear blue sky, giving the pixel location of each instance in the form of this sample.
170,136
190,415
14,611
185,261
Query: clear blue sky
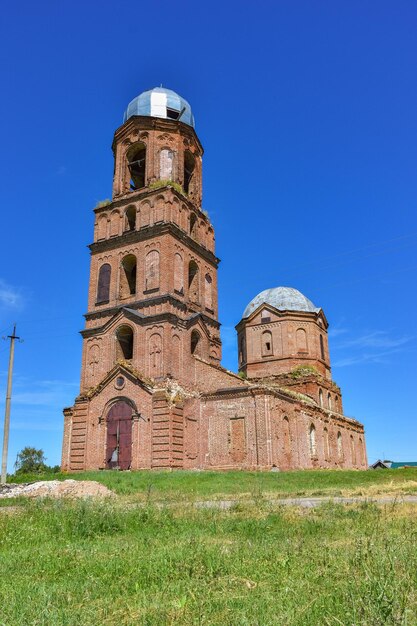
307,112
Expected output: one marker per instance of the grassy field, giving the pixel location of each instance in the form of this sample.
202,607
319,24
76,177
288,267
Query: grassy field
191,485
86,563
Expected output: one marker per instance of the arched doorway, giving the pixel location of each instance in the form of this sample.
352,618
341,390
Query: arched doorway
119,436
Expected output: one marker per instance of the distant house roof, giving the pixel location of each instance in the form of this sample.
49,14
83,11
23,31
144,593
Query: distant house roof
397,464
381,465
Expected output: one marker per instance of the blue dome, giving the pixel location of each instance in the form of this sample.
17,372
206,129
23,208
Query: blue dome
160,102
283,299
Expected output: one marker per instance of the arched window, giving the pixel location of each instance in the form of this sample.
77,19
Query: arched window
326,444
352,450
195,342
124,343
242,350
321,347
152,270
361,451
166,164
336,403
128,276
179,274
130,218
320,397
339,445
312,441
208,291
193,225
136,157
193,282
267,348
103,287
286,436
301,337
189,164
329,401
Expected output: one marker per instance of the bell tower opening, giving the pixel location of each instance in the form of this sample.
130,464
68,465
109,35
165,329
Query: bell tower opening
124,343
189,164
136,157
128,276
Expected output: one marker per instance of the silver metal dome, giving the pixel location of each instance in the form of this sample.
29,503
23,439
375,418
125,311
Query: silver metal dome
283,299
160,102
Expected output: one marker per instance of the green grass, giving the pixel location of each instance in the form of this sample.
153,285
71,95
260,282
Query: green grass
103,563
190,485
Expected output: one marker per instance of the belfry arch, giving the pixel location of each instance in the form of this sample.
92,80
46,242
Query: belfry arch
136,162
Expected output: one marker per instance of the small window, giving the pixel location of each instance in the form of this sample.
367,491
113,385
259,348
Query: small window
321,347
172,114
320,397
267,344
120,382
193,282
329,401
312,441
326,444
195,342
193,225
339,445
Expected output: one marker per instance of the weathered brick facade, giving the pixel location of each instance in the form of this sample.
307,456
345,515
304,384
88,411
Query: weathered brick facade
151,343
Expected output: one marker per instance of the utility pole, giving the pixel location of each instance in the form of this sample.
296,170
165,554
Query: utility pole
7,411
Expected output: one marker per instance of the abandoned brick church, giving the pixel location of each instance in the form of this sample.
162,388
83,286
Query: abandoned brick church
153,393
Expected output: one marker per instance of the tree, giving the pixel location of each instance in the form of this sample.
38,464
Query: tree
30,460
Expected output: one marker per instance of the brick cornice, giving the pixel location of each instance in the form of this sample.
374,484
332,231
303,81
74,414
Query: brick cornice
146,192
144,320
146,122
150,232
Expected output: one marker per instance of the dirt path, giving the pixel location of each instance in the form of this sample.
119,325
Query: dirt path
311,502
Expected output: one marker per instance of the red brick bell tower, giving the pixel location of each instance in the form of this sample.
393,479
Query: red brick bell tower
152,303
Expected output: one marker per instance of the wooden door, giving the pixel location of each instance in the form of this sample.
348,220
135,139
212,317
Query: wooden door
119,436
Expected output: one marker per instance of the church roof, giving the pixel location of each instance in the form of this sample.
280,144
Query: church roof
283,299
160,102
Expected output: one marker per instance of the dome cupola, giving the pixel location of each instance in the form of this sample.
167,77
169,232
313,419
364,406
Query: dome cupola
160,102
283,299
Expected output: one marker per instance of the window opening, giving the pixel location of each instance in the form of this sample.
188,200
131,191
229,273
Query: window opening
103,289
189,164
128,276
267,343
339,445
321,347
137,166
124,347
352,446
172,114
195,341
312,439
193,282
130,218
326,444
193,225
